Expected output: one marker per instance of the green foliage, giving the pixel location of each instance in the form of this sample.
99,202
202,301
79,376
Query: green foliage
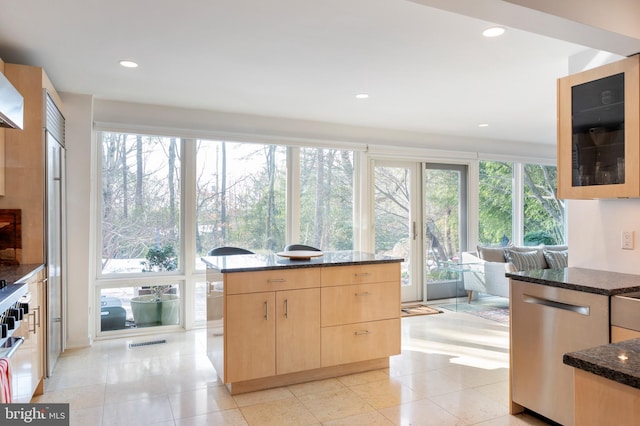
160,258
539,237
496,202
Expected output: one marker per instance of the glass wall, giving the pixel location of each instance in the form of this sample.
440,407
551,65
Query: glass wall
153,188
326,198
541,219
543,212
495,209
141,203
240,196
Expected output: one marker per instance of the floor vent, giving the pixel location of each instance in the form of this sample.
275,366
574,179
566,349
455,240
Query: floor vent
153,342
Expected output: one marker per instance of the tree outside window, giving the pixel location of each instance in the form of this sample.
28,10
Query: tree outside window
140,198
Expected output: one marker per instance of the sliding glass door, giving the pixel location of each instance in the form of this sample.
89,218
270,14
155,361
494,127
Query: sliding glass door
396,220
445,230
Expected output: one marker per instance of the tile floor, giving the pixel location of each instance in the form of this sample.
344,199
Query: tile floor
453,370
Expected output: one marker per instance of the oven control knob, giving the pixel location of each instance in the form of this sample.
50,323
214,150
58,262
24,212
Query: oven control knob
4,330
3,283
24,307
10,321
16,313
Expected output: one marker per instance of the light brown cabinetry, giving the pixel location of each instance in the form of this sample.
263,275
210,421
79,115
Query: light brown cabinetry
294,325
619,334
26,159
599,401
599,132
271,332
28,365
360,313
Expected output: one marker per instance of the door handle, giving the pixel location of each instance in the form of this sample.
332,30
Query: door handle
578,309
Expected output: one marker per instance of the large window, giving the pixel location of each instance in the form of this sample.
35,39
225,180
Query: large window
540,217
495,203
241,196
165,202
543,212
141,203
326,198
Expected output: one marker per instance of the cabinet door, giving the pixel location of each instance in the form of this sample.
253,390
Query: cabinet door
297,330
343,344
28,363
250,336
37,289
360,303
598,131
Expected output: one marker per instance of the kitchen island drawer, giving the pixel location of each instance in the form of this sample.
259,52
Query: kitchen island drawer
359,342
360,274
360,303
285,279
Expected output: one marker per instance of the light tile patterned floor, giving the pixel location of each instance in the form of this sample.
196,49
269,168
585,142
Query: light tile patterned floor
453,370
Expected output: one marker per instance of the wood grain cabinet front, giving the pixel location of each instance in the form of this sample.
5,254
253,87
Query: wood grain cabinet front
360,342
360,313
599,132
294,325
28,365
274,332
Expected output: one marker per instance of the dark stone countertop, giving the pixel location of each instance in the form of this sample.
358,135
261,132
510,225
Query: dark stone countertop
605,361
581,279
16,277
265,262
19,273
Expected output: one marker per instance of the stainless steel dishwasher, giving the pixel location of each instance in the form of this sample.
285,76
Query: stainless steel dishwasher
546,323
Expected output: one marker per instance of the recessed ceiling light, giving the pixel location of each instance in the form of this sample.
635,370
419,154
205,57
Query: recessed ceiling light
493,32
362,96
483,125
128,64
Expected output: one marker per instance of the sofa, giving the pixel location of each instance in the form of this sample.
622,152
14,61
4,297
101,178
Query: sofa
484,270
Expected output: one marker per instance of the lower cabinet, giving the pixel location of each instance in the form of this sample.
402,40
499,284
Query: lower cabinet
294,325
272,333
360,342
28,362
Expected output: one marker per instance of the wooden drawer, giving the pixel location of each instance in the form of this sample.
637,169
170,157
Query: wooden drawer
360,274
360,342
360,303
273,280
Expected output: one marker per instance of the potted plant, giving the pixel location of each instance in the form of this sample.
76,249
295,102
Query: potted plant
158,307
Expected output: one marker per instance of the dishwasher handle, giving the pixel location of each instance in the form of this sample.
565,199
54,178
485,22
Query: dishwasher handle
578,309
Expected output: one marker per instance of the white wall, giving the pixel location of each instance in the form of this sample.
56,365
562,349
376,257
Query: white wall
79,118
595,234
173,121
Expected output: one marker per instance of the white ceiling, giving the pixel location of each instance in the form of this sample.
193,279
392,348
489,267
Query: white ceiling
425,69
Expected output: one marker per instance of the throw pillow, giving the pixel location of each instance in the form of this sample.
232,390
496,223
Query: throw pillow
525,260
556,259
560,247
491,254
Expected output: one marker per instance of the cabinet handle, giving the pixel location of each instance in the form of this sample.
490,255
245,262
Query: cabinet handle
37,309
361,333
33,321
266,310
276,280
364,293
286,308
363,274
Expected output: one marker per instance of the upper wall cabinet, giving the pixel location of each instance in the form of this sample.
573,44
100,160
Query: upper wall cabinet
599,132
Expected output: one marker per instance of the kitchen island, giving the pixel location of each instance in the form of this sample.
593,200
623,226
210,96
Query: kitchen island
554,312
607,383
275,321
